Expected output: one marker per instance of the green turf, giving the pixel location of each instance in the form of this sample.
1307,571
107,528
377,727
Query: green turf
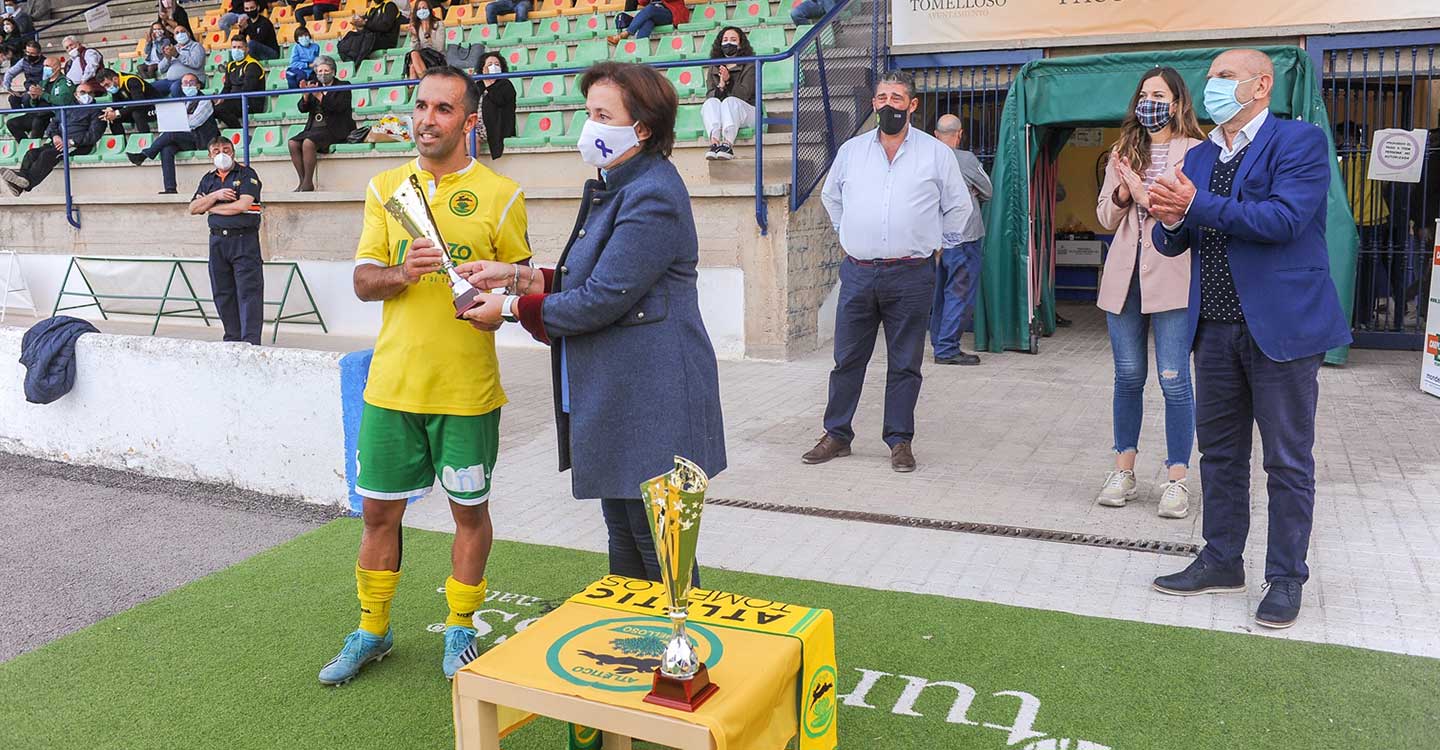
230,661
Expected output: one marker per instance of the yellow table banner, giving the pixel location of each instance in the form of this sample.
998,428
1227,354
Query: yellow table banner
816,702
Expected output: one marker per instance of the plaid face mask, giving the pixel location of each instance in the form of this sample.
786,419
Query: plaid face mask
1153,115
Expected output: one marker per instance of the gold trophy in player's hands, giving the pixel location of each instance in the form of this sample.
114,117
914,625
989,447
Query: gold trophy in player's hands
409,207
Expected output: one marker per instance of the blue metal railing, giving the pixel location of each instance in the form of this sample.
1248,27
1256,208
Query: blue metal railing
812,36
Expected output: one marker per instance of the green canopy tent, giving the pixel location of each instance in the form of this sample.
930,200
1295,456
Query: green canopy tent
1048,100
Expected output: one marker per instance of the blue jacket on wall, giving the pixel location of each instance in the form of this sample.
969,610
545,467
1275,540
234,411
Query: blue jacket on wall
1276,224
642,379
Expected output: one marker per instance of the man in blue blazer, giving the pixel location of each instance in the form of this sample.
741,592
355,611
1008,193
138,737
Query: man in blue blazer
1263,311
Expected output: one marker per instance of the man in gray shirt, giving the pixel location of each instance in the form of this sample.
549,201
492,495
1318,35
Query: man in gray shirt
958,272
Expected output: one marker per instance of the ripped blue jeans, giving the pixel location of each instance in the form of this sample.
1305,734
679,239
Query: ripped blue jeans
1129,335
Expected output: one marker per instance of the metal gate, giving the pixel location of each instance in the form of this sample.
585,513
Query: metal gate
971,86
1371,82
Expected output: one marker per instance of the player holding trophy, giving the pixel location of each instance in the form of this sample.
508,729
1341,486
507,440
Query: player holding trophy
432,403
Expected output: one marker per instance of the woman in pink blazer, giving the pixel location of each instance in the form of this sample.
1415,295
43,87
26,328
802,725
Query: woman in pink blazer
1143,290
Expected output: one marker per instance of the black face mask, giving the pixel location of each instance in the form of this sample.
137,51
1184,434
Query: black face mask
32,59
730,49
253,13
892,120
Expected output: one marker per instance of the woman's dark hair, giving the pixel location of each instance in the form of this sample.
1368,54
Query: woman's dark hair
1133,146
504,66
415,22
745,49
302,29
648,96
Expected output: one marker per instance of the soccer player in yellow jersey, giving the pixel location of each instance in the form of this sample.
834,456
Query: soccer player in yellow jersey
432,403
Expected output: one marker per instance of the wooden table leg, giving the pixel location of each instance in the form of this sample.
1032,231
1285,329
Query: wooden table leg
477,726
615,742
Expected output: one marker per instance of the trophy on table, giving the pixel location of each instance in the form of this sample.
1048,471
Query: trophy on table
673,502
409,207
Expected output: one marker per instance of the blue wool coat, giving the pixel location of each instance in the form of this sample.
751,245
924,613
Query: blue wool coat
644,386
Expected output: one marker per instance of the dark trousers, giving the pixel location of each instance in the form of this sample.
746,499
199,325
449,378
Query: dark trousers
238,282
1237,386
316,12
957,280
166,145
228,111
39,162
897,296
632,549
139,119
28,126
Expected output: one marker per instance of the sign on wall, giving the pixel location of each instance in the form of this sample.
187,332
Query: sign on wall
1397,155
939,25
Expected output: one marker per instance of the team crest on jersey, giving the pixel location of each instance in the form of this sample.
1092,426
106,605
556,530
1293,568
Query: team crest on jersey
463,203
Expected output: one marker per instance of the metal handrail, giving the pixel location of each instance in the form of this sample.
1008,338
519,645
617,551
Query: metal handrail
72,214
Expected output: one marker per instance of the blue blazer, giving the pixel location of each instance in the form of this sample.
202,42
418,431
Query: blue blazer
643,382
1276,225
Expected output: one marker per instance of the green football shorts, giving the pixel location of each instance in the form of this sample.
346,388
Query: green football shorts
400,454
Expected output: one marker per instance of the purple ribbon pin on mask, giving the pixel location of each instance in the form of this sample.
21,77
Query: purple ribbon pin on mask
605,152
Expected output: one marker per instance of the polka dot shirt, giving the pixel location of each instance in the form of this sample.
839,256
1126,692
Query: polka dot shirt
1218,299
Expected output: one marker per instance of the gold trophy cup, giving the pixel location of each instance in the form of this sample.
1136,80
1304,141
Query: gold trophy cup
409,207
673,502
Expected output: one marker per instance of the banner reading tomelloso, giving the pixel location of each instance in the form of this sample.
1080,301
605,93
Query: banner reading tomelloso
814,628
945,25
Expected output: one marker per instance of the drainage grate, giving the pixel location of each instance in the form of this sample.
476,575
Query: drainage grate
1179,549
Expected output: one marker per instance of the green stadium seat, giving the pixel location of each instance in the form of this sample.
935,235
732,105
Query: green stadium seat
688,81
266,141
456,34
387,100
383,69
517,32
540,127
548,29
345,72
633,51
590,52
518,58
111,147
550,56
586,27
767,40
486,34
752,13
9,153
542,91
399,147
276,81
282,107
779,77
137,142
125,65
352,148
674,47
330,48
577,121
705,17
217,58
689,126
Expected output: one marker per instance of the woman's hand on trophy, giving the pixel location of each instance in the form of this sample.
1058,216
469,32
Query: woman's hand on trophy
422,258
487,274
486,315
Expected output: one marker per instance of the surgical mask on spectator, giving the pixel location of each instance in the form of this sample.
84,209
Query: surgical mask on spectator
325,78
730,49
422,14
302,40
182,38
9,28
10,9
112,89
1220,99
1153,115
84,98
223,161
492,69
237,55
891,120
600,145
75,52
46,72
189,90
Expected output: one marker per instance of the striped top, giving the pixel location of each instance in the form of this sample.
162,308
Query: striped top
1159,160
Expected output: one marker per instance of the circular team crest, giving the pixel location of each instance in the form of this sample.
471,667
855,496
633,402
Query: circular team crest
463,203
820,703
620,655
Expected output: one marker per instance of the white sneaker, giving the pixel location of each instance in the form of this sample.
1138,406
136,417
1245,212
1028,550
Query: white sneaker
1119,489
1175,500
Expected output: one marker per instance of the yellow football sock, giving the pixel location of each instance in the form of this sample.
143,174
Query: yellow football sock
375,588
463,599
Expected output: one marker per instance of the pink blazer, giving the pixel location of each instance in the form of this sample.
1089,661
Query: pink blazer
1164,282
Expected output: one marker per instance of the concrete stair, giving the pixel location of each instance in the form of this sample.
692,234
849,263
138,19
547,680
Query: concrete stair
129,22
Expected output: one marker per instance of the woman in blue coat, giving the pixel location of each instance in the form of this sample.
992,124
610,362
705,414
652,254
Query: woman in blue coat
635,379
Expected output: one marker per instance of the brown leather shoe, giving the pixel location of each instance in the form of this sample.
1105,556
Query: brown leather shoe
826,449
901,459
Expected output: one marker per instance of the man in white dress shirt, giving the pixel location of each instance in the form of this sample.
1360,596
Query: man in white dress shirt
896,197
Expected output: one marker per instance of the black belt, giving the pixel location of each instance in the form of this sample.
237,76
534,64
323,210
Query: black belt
232,231
889,261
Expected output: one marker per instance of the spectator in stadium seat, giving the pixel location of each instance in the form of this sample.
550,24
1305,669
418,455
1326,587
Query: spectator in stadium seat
12,39
172,15
329,121
302,58
85,63
497,8
653,13
730,102
30,66
155,45
497,103
810,11
123,87
242,74
83,128
21,17
186,56
379,28
259,32
316,11
427,40
237,12
200,116
31,125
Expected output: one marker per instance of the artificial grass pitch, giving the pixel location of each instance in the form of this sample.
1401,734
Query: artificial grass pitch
230,661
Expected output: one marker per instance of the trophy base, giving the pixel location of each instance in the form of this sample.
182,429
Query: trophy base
681,695
466,302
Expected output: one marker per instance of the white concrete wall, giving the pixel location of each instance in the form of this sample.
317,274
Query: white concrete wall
259,418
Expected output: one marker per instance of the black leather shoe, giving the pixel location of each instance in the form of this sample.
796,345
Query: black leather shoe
959,359
1281,605
136,159
1200,578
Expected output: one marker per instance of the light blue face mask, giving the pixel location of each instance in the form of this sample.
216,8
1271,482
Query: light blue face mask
1220,99
237,55
422,14
303,41
182,38
112,90
190,90
46,71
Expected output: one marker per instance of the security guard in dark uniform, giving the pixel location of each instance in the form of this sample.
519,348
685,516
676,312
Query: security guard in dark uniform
123,87
230,198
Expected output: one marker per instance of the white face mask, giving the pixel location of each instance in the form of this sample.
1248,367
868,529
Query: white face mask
422,14
492,69
84,98
75,52
600,145
223,161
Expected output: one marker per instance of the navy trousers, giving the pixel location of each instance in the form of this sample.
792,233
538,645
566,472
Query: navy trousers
632,548
897,296
957,280
1237,386
238,281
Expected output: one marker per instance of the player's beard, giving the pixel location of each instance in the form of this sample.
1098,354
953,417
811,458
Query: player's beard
443,147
